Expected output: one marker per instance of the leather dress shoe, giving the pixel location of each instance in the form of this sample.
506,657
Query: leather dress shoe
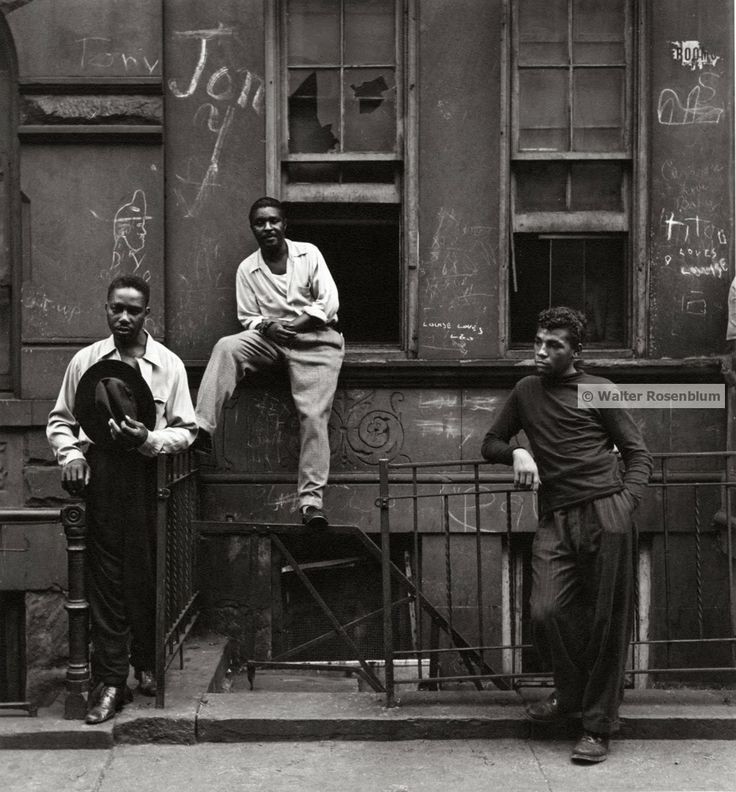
591,748
146,682
547,711
108,701
314,517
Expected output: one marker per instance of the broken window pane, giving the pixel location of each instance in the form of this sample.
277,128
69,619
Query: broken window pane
313,32
543,117
369,32
370,110
314,110
543,36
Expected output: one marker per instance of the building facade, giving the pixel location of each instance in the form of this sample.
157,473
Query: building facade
461,166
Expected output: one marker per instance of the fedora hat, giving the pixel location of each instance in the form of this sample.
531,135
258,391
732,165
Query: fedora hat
112,389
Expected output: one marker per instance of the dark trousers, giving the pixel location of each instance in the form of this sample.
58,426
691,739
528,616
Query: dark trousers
120,563
582,605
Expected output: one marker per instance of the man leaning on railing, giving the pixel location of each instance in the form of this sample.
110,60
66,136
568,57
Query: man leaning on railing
582,567
123,401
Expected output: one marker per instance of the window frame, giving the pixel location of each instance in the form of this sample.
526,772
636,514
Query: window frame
631,219
402,192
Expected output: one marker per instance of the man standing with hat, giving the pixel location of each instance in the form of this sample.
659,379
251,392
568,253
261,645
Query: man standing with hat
123,401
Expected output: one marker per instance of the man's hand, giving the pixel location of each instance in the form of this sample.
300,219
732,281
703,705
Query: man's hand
280,333
75,476
129,432
526,475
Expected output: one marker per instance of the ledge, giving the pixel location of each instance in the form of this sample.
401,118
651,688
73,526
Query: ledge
499,373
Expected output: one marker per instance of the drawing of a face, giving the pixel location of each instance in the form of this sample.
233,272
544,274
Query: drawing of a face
129,224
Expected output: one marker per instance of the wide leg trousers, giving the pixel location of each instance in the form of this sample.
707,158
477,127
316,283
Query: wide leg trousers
582,605
121,563
313,361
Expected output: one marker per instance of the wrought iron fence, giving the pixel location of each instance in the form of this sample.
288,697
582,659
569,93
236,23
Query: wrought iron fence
72,518
459,635
177,584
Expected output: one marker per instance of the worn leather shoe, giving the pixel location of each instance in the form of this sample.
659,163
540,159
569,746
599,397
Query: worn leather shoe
546,711
146,682
109,700
591,748
314,517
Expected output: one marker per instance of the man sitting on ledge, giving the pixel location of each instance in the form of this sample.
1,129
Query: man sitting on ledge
287,303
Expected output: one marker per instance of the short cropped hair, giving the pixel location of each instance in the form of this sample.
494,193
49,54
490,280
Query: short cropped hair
562,317
264,202
130,282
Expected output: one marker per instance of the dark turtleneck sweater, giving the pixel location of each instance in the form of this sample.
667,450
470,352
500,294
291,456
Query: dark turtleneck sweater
572,446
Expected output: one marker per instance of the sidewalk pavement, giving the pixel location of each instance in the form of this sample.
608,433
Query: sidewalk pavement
505,765
305,733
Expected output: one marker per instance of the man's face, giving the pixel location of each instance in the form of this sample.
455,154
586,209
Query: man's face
268,227
126,312
554,355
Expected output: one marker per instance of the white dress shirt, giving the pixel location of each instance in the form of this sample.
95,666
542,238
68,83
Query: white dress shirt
309,288
163,371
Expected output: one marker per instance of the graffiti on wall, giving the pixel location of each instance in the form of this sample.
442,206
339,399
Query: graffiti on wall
218,94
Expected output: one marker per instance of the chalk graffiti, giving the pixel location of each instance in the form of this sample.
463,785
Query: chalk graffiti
38,301
129,235
450,283
694,304
231,89
96,52
693,55
698,247
698,108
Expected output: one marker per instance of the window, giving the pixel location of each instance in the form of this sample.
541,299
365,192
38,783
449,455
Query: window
571,164
339,160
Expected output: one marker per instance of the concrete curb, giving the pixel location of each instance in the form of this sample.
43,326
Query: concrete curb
194,713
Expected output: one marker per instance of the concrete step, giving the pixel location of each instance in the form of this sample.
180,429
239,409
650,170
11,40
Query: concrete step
195,713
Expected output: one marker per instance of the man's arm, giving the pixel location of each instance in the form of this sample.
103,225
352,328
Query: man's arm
249,311
62,431
326,301
496,445
181,423
628,440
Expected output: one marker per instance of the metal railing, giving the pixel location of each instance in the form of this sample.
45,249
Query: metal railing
463,630
177,591
177,583
72,518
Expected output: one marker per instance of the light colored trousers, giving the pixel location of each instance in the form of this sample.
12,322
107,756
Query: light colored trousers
313,362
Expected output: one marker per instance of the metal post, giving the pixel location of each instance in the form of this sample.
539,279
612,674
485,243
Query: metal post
388,638
163,493
73,519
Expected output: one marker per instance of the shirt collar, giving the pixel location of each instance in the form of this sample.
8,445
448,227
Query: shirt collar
151,354
294,249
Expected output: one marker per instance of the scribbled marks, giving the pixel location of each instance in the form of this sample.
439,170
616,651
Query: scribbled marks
701,105
38,302
219,92
454,308
696,245
98,53
129,235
